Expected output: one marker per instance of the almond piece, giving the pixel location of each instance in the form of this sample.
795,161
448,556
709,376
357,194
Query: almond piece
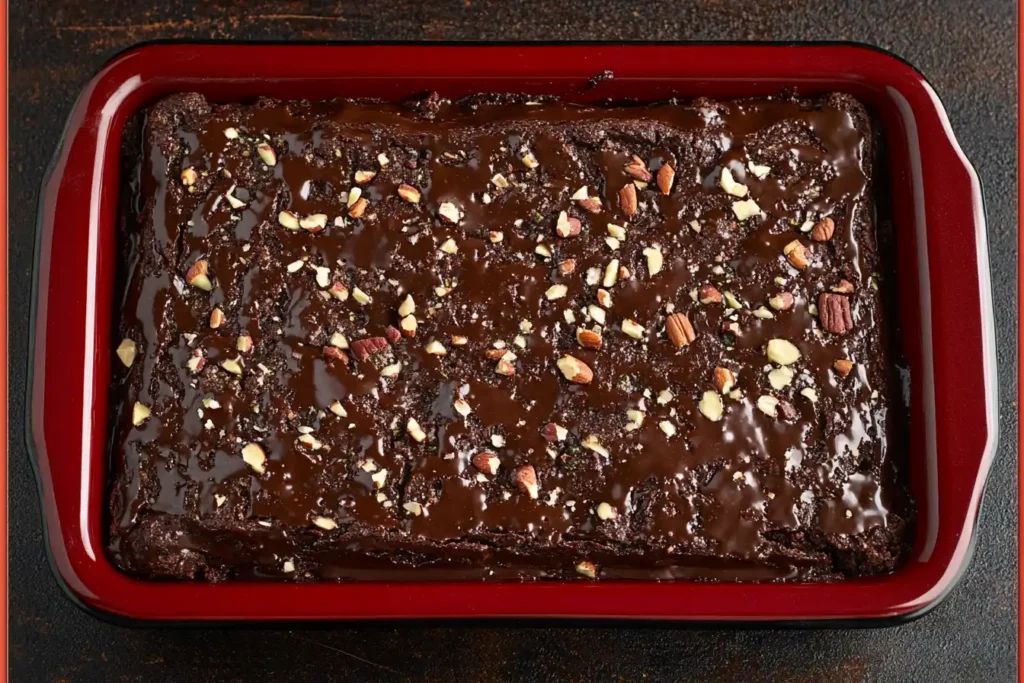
724,379
407,306
710,406
216,318
730,185
126,351
679,330
745,209
666,176
486,462
567,226
198,275
627,199
505,368
780,378
796,252
783,301
254,457
611,273
768,405
526,481
633,328
449,212
587,569
823,230
189,177
409,193
436,348
555,292
606,512
415,431
244,343
314,222
358,208
363,177
655,260
408,325
588,338
707,294
554,432
567,267
140,413
782,352
575,370
325,523
267,154
591,204
843,366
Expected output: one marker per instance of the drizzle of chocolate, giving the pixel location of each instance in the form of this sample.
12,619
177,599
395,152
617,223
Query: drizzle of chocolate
747,497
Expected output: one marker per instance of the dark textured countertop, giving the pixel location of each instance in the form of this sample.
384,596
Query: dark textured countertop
967,52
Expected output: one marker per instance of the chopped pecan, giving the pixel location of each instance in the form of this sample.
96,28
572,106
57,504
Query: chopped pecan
834,313
364,348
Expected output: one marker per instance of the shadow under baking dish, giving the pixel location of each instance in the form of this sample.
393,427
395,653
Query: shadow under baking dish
944,305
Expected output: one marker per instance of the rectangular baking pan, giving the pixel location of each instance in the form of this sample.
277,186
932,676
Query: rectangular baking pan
943,297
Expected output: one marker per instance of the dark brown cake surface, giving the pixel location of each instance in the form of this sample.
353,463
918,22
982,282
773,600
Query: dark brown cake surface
502,338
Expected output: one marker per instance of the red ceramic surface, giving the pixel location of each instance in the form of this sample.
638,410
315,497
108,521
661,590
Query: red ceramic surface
944,300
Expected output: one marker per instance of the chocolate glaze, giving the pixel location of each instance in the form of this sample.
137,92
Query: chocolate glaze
813,496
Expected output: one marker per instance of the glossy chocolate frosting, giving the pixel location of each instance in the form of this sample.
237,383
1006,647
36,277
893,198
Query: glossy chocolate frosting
295,425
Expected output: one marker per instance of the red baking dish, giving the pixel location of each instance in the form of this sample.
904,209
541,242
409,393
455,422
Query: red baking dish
944,300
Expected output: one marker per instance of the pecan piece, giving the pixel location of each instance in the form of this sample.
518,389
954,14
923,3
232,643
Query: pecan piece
680,331
823,230
834,313
364,348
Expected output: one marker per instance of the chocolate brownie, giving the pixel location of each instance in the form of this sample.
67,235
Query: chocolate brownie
502,338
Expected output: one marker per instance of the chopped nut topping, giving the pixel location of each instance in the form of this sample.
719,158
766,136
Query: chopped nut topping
823,230
587,569
782,301
606,512
526,480
709,295
499,181
449,246
413,508
567,226
710,406
325,523
780,378
731,186
363,177
637,169
189,177
745,209
834,313
655,260
415,431
668,428
627,200
575,370
140,413
361,297
436,348
126,351
556,292
232,366
588,338
782,352
759,171
679,330
198,275
797,254
487,462
633,328
666,176
724,379
611,273
768,405
530,161
843,367
409,193
267,154
254,457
